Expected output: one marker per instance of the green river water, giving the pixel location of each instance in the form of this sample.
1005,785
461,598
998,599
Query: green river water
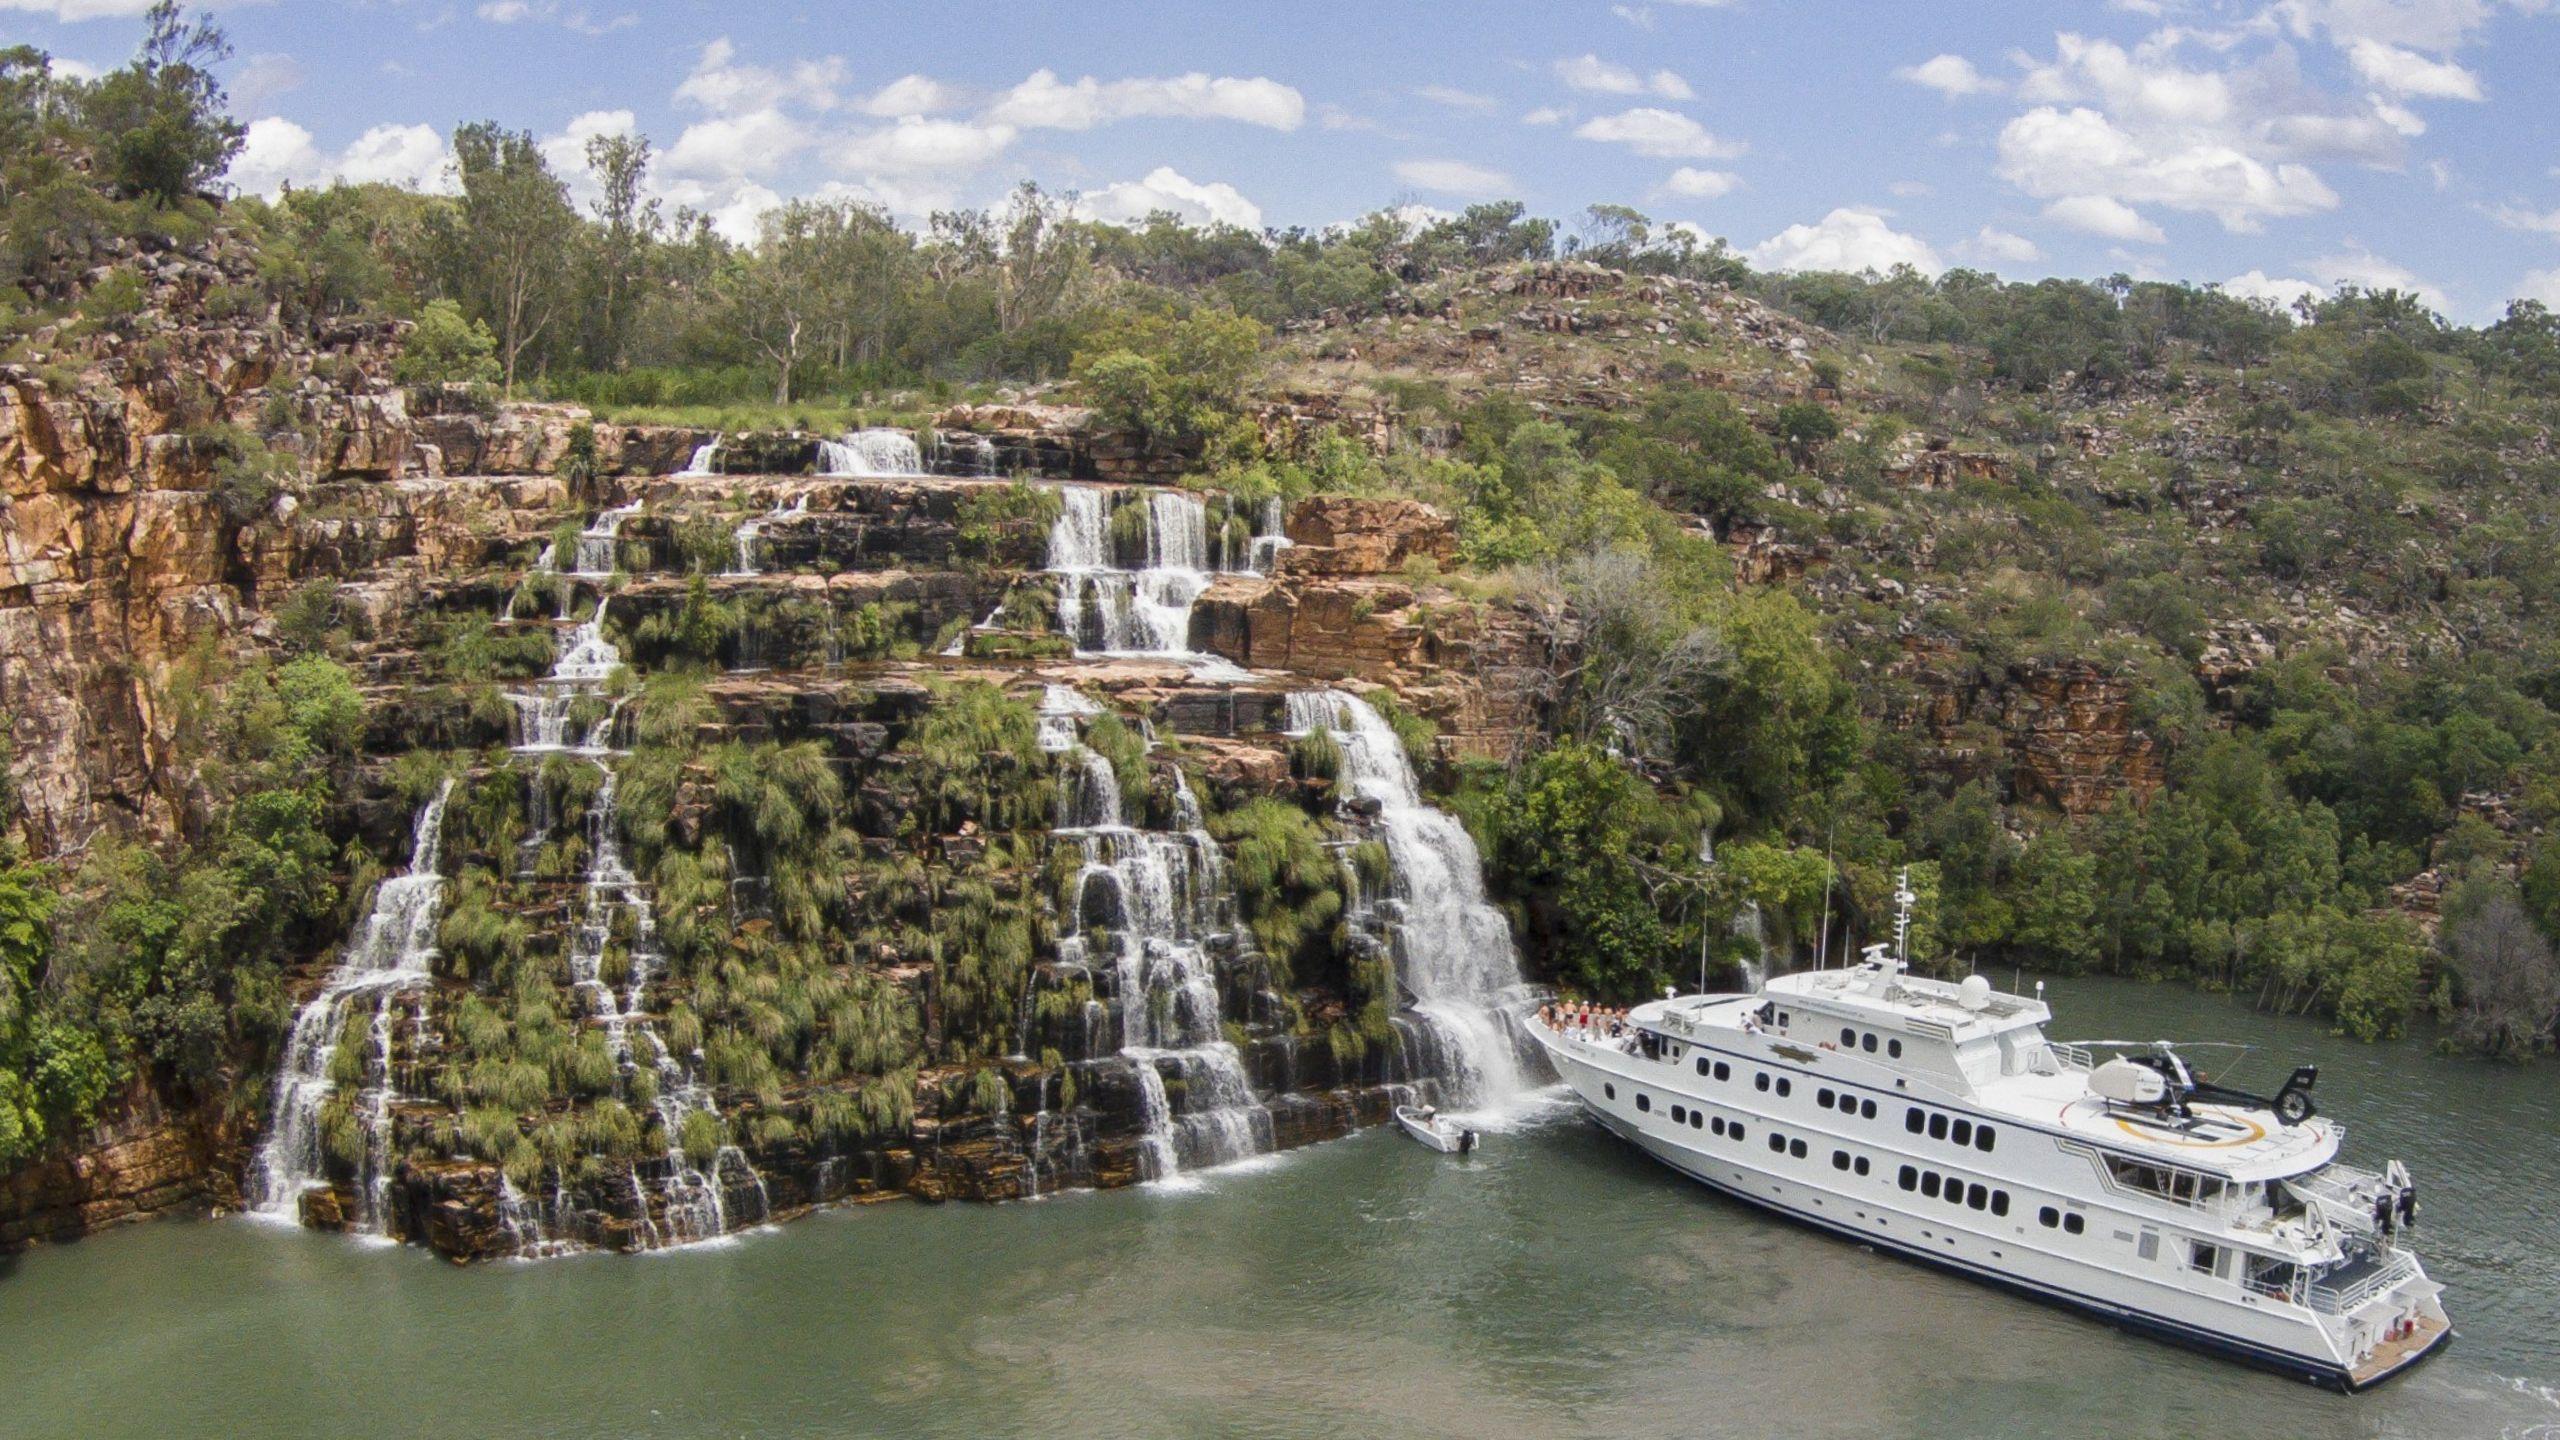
1554,1285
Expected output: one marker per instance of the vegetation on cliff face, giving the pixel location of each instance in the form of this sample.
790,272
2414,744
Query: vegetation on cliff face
1800,543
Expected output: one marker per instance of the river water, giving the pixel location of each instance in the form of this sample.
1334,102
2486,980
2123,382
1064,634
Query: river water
1553,1285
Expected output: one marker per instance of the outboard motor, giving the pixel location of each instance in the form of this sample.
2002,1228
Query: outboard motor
2402,1195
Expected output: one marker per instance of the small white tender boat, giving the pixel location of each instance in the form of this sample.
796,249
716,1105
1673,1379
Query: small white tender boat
1429,1126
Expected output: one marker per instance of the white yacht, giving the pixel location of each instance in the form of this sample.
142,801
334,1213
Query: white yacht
1935,1120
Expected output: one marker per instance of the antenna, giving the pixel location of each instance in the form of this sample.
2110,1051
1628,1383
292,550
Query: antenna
1830,879
1903,900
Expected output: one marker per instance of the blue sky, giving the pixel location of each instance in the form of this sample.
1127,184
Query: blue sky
2268,146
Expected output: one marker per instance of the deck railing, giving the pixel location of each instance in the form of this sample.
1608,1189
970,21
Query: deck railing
2390,1268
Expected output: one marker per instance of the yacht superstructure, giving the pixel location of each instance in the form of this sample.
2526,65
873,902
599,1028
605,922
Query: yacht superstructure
1936,1120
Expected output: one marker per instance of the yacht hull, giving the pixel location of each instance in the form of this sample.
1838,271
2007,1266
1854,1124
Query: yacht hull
1815,1207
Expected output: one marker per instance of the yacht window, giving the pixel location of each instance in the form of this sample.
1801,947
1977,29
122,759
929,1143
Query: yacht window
2148,1247
1782,1019
1914,1121
1999,1202
1866,1109
1717,1126
2074,1224
1760,1081
1735,1130
1862,1164
1964,1132
1893,1048
1982,1138
1703,1067
1848,1036
1679,1114
1723,1071
1907,1177
2204,1259
1697,1119
1785,1086
2048,1217
1824,1098
1777,1142
1796,1148
1937,1127
1929,1183
1610,1090
1643,1101
1977,1197
1839,1159
1867,1042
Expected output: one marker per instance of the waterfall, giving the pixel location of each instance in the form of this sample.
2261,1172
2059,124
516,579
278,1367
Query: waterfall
1158,899
1452,950
751,532
1109,608
1270,537
871,454
705,461
390,952
598,543
543,713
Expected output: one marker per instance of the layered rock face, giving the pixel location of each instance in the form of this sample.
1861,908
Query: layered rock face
1338,606
2064,731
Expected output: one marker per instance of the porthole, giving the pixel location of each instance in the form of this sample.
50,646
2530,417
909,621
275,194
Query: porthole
1609,1090
1643,1101
1839,1159
2073,1224
1982,1138
1824,1098
1777,1142
1786,1087
1723,1071
2000,1202
1717,1126
1848,1036
1679,1114
1907,1178
1867,1042
1796,1148
1867,1109
1760,1081
1977,1197
1697,1119
1893,1048
1914,1121
1703,1067
1862,1164
1929,1183
2048,1217
1937,1127
1962,1132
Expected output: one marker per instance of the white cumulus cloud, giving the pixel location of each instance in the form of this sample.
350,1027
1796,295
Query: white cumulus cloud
2361,267
1452,177
1848,238
1662,134
1455,98
756,142
69,10
1950,75
1044,102
910,95
916,144
722,85
2052,153
1601,77
2099,215
276,152
1691,182
2542,285
2280,291
1997,245
1167,189
2406,72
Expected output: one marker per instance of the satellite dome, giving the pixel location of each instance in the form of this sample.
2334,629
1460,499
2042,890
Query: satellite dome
1974,993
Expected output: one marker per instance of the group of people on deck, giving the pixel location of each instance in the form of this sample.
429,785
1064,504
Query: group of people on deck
1581,1020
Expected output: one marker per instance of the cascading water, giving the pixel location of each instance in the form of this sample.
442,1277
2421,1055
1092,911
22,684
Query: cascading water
1158,900
543,714
1111,609
391,952
1453,951
964,454
599,543
751,532
705,461
871,454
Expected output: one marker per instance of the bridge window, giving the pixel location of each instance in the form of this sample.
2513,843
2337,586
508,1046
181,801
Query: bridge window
1982,1138
2000,1202
1937,1127
1866,1109
1963,1132
1907,1178
1929,1183
1977,1197
1914,1121
2204,1259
